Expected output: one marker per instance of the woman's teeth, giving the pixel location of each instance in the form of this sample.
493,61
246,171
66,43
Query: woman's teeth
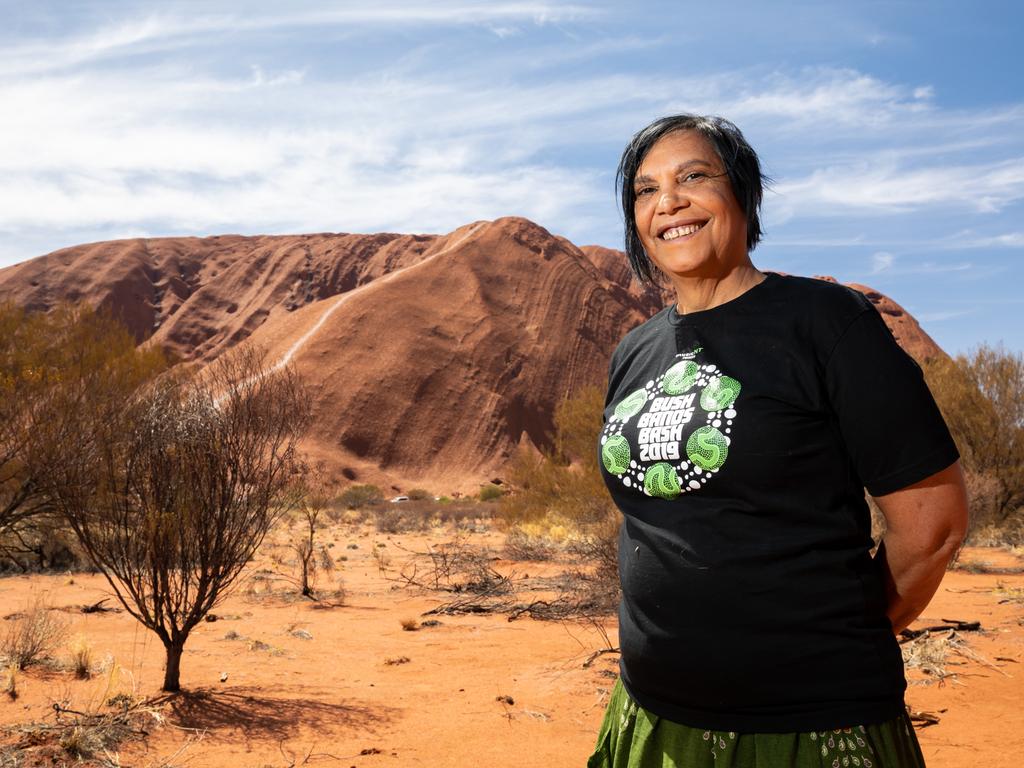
672,234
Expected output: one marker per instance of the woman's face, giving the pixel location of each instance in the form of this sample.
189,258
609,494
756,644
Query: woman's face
686,213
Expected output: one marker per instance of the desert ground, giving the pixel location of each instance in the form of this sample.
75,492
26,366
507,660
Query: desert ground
366,677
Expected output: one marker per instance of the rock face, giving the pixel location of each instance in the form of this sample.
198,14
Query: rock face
431,357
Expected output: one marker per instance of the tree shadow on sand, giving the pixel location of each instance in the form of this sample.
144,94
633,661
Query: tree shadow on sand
255,714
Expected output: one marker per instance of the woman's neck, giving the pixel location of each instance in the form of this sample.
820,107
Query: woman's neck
695,294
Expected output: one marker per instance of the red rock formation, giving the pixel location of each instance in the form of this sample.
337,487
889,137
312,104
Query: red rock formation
431,357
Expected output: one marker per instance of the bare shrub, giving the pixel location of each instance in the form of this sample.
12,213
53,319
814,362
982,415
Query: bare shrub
381,558
172,493
419,494
520,545
312,499
398,518
33,635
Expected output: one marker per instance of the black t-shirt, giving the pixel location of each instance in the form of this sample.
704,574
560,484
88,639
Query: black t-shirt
738,442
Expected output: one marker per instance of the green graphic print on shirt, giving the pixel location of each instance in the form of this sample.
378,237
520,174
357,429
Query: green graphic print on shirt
670,436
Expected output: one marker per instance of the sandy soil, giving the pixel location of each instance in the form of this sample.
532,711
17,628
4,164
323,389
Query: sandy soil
473,690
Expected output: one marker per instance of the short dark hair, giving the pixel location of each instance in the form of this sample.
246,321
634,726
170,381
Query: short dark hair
741,165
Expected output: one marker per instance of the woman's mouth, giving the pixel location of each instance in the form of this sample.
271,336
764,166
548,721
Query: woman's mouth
675,233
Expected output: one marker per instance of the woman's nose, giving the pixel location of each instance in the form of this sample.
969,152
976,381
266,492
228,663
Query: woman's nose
672,199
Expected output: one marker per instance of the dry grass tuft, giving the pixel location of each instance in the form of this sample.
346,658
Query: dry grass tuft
81,658
10,686
931,654
33,635
410,625
80,736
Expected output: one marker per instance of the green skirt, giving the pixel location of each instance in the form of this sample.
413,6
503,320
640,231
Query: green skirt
632,737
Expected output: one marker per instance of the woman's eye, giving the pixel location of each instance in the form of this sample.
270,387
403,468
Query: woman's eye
642,191
695,176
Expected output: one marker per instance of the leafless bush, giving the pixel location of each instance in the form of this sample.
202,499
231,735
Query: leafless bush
399,518
312,496
521,546
33,635
172,493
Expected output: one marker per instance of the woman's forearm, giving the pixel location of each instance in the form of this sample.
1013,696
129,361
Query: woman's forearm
912,576
926,523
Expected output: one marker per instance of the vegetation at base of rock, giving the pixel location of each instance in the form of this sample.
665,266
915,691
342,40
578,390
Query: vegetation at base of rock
359,496
981,396
491,492
562,489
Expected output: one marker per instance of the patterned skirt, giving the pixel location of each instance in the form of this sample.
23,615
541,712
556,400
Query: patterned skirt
632,737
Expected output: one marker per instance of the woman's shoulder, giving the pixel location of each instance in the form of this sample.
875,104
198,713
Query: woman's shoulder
820,295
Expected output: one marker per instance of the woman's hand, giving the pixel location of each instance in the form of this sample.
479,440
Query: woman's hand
925,525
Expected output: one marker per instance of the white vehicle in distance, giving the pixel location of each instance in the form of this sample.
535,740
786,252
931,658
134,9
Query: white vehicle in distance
397,499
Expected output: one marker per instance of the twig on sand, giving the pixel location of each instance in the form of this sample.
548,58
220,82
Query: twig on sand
594,656
290,756
923,719
98,607
950,624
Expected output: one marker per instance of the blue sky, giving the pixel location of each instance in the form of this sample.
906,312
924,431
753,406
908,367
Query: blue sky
892,129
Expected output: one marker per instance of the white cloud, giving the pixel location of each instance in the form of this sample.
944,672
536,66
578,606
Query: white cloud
885,186
881,261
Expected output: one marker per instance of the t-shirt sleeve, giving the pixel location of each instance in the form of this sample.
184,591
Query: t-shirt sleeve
892,427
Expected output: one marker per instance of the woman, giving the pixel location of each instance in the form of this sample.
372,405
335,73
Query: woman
742,426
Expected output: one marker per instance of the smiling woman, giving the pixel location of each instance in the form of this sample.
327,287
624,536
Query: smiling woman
741,428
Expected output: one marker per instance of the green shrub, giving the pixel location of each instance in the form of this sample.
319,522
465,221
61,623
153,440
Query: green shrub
358,496
490,492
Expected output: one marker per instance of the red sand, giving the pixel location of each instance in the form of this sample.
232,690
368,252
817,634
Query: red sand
335,694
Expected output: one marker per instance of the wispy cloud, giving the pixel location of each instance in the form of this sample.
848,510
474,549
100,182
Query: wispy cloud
885,186
938,316
165,31
881,261
968,240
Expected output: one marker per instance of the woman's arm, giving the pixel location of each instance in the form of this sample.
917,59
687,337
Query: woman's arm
925,524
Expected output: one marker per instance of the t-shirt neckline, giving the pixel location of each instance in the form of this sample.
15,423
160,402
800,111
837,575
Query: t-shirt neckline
675,318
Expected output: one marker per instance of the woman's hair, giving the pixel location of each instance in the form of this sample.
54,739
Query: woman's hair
739,158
